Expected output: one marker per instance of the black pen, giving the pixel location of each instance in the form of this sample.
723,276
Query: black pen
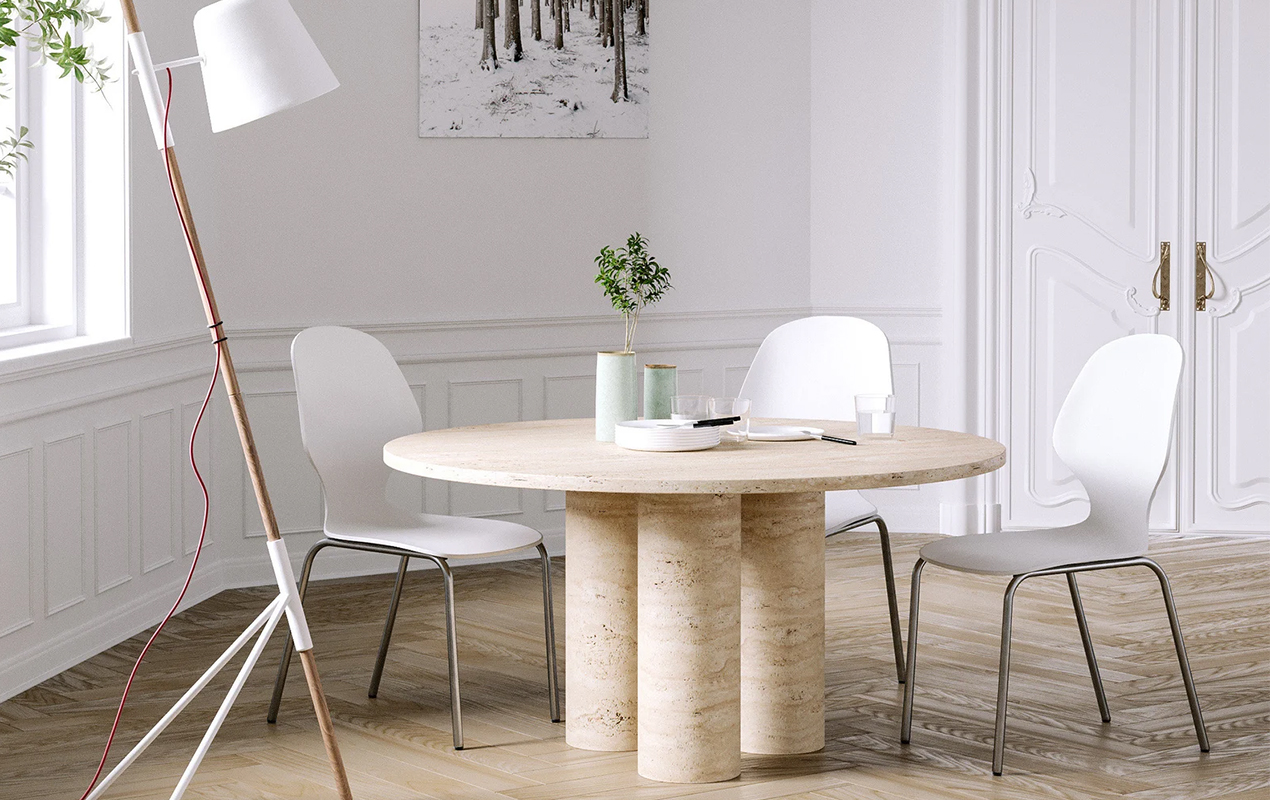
828,438
700,423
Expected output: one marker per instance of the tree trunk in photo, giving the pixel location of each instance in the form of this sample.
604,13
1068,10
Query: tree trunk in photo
591,14
603,30
480,14
558,11
619,51
566,6
511,24
536,19
489,52
608,22
641,17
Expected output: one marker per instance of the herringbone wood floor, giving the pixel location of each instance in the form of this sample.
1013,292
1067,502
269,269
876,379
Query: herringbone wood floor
398,746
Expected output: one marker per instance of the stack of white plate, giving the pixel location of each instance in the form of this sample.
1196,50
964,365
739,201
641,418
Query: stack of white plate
664,436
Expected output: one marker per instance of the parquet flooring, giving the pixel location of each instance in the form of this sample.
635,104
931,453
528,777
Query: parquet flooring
398,746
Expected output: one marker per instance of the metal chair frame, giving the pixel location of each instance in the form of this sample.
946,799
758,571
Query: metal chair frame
892,600
456,715
1003,673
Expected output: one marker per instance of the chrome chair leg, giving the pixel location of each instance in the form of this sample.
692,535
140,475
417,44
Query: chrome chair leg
378,672
892,601
910,663
452,637
1191,696
288,648
1003,673
549,621
1088,643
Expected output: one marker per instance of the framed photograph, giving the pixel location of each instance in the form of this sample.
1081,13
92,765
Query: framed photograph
534,68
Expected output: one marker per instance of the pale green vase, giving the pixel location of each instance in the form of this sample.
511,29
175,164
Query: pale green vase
661,382
616,392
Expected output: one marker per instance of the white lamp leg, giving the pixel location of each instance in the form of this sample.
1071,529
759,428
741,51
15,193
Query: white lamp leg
269,616
274,618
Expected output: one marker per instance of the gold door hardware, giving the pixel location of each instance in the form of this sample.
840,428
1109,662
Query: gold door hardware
1205,285
1160,283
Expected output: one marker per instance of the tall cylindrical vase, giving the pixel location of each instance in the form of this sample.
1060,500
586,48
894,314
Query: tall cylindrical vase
616,392
660,385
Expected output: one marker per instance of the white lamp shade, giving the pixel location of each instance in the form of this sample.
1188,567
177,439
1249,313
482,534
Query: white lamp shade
257,60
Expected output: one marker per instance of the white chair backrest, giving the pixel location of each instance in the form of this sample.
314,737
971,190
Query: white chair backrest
353,400
813,368
1114,429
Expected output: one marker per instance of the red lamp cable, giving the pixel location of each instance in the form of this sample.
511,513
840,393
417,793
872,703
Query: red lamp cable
189,241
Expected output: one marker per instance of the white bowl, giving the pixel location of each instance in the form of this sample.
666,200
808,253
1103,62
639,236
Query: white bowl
648,435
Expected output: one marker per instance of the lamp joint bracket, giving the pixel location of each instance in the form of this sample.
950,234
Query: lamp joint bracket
180,62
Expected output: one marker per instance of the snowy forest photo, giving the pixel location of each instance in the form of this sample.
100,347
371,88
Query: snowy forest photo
533,68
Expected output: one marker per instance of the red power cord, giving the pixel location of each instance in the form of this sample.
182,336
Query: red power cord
189,241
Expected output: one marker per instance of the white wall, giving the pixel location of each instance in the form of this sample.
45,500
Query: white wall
879,141
472,261
729,151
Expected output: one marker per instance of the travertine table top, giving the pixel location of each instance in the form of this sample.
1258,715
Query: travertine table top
563,454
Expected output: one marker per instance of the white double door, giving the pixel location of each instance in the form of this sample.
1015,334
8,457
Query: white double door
1126,124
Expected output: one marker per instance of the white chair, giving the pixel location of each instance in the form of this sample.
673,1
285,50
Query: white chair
353,399
813,368
1113,432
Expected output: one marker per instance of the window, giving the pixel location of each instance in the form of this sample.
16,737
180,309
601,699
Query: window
63,215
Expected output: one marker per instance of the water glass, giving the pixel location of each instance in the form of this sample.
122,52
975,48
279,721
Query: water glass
732,407
690,406
875,414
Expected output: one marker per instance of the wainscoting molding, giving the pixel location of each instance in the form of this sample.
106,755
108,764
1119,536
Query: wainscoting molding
100,514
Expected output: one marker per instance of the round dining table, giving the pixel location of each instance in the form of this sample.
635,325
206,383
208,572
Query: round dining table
695,581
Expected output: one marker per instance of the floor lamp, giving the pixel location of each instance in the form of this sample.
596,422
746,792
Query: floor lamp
257,59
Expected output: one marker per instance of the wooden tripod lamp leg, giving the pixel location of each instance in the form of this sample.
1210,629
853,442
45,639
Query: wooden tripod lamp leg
250,453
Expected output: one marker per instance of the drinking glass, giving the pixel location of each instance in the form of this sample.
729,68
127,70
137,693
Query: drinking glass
732,407
690,406
875,414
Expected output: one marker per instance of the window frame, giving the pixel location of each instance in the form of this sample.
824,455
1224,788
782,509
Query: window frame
72,267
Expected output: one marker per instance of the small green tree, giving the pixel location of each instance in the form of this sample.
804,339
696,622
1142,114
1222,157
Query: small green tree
632,280
46,28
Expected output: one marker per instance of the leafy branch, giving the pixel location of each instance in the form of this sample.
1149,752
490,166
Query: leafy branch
13,150
46,28
632,280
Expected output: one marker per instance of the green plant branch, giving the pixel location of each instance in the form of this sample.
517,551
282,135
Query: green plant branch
632,280
47,28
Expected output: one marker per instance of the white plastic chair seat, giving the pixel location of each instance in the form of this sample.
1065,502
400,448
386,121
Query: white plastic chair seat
440,536
846,510
1018,552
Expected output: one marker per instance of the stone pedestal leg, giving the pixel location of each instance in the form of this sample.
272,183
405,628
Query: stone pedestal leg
689,637
783,623
601,668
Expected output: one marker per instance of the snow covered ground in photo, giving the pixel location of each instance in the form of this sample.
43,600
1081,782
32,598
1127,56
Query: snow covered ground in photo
548,93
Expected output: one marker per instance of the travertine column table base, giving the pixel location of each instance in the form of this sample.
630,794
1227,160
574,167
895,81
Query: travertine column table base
601,607
783,623
689,637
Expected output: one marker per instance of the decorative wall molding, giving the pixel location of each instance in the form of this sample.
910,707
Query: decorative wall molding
1028,205
58,434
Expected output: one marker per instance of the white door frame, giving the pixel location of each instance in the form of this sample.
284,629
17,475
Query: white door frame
972,317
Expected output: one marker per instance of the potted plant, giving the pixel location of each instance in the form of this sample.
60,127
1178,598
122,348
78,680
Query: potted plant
632,280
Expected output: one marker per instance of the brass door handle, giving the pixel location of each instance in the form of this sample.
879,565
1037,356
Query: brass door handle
1205,285
1160,283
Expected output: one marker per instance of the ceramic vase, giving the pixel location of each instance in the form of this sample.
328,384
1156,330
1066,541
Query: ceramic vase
616,392
661,381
